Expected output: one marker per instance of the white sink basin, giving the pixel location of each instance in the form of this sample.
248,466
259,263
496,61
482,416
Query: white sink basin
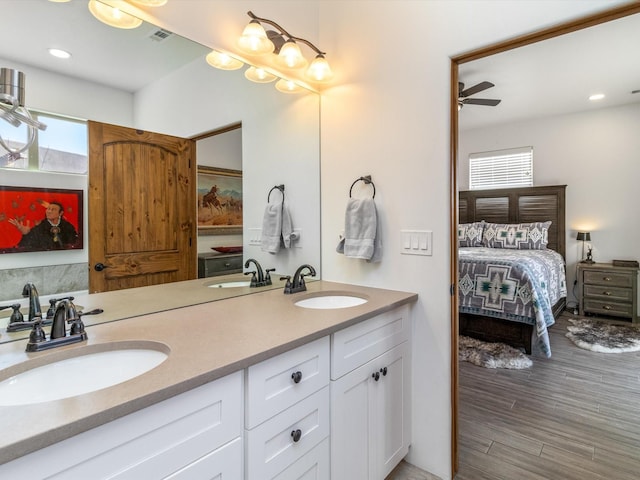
330,301
230,284
46,378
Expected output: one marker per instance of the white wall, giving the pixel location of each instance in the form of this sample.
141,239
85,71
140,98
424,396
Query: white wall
595,153
388,116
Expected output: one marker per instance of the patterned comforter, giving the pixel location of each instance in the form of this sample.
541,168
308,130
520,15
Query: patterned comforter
517,285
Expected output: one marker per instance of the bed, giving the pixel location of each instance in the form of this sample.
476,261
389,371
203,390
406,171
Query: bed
512,294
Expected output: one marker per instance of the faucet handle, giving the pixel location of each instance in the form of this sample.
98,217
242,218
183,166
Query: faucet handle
254,279
37,334
267,276
287,285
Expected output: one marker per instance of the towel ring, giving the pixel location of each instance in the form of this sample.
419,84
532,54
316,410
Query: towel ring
277,187
366,179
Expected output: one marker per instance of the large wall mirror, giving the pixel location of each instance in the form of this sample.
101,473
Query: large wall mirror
591,146
154,80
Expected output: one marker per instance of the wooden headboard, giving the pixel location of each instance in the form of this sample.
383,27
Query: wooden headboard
518,205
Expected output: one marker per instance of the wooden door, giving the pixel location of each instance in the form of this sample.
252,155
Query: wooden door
142,228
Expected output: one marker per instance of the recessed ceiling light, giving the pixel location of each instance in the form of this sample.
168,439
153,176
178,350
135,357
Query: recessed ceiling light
56,52
597,96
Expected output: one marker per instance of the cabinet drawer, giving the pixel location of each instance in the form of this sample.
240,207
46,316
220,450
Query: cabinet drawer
211,266
601,307
270,447
271,386
604,277
608,293
225,462
312,466
364,341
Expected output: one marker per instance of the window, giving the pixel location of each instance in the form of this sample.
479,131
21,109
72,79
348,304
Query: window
62,147
501,169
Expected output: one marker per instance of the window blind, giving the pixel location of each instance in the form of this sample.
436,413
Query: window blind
501,169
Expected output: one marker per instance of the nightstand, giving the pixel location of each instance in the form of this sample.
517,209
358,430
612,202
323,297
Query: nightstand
608,290
214,264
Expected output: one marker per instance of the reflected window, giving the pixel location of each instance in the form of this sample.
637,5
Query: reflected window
501,169
62,147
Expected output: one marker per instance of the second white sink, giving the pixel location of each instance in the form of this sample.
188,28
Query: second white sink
327,302
86,371
230,284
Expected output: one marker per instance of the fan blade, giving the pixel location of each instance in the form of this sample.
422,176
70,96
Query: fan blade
480,101
476,88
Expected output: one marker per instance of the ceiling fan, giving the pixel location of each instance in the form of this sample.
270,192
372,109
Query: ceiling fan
464,94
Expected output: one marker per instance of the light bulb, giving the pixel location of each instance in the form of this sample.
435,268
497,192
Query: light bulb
259,75
319,70
290,55
254,40
223,61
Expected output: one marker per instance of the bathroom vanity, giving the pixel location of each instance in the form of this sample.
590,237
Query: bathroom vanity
253,387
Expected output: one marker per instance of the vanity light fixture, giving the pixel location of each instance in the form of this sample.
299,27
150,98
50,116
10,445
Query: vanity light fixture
256,41
113,16
223,61
12,109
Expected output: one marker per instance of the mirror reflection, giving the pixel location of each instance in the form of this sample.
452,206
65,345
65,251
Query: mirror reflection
167,88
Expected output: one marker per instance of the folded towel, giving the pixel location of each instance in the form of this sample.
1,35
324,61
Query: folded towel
360,230
276,226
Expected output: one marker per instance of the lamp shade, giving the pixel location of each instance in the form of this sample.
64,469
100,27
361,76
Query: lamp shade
319,70
112,16
290,56
223,61
254,40
288,86
584,236
259,75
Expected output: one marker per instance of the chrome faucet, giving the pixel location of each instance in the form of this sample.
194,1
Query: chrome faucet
261,279
65,313
30,290
297,284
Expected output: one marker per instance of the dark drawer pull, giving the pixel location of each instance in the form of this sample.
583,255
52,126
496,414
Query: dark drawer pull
296,435
383,371
376,376
606,279
606,307
608,294
296,377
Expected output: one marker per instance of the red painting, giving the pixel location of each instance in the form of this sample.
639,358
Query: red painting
40,219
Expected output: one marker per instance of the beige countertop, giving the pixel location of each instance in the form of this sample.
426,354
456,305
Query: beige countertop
206,341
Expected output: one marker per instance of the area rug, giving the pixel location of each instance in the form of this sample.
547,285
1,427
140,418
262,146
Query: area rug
599,336
491,355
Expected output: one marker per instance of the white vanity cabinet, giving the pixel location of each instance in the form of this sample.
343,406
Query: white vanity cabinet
194,435
370,397
287,415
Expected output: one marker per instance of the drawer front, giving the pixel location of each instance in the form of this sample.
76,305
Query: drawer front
604,277
364,341
608,308
271,386
225,462
608,293
271,447
312,466
213,266
160,439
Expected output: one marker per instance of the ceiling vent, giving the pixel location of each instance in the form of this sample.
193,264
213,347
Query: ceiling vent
160,35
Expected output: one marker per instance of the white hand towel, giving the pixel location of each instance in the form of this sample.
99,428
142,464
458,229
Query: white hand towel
272,226
360,226
287,227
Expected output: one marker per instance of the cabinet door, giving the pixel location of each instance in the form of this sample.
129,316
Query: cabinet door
394,409
312,466
223,463
371,417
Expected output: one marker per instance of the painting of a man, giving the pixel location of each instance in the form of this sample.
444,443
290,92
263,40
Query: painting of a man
53,233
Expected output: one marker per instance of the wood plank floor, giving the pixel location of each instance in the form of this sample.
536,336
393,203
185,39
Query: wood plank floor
575,415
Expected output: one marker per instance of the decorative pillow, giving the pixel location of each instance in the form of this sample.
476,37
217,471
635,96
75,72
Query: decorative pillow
470,234
519,236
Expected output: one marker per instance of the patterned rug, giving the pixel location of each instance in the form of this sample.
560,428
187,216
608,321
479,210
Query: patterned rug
491,355
599,336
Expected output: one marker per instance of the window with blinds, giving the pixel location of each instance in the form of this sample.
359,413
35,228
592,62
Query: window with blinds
501,169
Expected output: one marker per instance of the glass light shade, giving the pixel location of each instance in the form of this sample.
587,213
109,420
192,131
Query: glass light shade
319,70
290,56
254,40
150,3
287,86
223,61
259,75
113,17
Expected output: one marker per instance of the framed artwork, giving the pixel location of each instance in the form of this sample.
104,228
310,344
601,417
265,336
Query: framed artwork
219,201
40,219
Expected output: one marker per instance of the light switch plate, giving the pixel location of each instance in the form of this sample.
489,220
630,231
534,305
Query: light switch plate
416,242
255,236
